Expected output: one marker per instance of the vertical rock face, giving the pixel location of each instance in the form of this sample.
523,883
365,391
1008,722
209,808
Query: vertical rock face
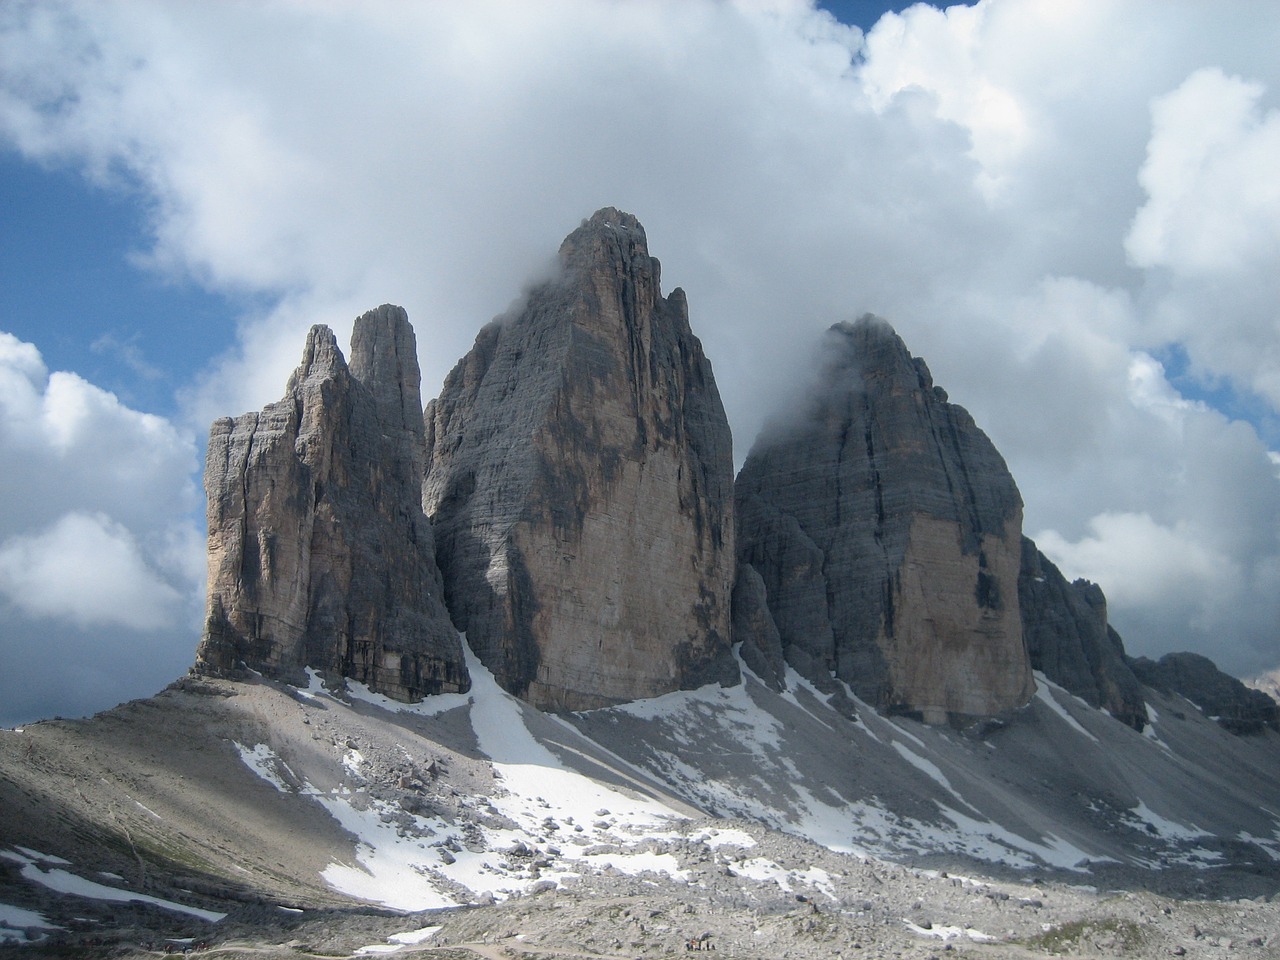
579,481
319,552
887,531
1068,638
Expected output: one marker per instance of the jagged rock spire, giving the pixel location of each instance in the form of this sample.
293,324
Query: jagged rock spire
580,481
319,553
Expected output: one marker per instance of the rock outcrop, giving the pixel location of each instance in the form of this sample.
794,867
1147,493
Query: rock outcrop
1219,695
887,531
319,552
579,480
1068,638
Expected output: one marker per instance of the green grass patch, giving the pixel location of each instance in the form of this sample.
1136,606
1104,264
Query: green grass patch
1109,935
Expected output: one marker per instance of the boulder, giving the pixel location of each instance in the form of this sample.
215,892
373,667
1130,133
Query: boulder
319,553
887,531
580,482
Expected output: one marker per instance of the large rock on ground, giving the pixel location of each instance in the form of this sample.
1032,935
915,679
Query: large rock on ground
580,483
1068,638
887,531
319,552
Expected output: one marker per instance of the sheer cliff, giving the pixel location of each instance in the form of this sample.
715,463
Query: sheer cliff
886,529
580,483
319,552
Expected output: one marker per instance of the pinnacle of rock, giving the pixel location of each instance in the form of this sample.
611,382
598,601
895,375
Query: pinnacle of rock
319,553
887,530
580,479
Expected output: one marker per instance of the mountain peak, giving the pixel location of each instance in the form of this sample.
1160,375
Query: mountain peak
580,481
887,531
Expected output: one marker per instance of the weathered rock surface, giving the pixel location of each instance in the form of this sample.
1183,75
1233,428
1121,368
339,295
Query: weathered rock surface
1219,695
887,531
319,552
580,480
1068,638
753,626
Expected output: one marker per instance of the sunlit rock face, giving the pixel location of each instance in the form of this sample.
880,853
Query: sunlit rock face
319,552
580,483
887,531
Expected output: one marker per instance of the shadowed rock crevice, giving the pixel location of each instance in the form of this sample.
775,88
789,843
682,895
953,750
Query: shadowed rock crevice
1069,640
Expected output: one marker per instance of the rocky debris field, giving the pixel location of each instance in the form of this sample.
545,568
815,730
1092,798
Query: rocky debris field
780,899
229,806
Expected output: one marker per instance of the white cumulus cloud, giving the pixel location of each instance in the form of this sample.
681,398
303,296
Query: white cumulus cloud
101,558
1044,198
88,570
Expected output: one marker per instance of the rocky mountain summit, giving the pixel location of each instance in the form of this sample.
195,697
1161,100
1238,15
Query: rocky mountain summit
568,503
580,480
319,553
839,706
887,532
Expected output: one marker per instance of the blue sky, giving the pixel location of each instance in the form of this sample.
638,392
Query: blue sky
70,281
1069,211
73,276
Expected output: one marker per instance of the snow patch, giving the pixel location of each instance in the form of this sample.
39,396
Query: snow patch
990,841
926,767
1164,827
948,933
16,924
264,762
1043,694
63,881
415,936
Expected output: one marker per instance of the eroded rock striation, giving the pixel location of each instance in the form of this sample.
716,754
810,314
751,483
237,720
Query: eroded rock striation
319,552
1068,638
580,484
887,531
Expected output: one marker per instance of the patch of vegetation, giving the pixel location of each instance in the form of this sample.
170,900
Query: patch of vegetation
1109,935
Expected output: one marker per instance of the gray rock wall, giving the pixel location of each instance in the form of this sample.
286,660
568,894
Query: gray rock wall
319,552
1069,639
1218,695
886,529
579,479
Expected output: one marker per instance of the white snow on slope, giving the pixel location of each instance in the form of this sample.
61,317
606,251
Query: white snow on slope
990,841
1046,697
63,881
787,800
409,862
266,765
15,922
926,767
1164,827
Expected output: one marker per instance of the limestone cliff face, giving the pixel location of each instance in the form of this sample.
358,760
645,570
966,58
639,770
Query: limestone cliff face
887,531
579,481
319,552
1068,638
